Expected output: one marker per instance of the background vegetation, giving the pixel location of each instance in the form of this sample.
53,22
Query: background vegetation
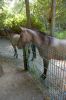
13,15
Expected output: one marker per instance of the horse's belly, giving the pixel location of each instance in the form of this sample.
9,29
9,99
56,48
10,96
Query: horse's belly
58,52
52,53
43,51
61,52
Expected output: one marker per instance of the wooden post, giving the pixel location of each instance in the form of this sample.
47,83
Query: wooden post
25,59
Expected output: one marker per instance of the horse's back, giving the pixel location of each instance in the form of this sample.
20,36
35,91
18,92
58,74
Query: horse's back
59,48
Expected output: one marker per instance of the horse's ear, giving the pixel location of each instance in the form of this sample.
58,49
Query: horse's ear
22,28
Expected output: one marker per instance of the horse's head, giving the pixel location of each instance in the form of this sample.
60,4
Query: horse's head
25,37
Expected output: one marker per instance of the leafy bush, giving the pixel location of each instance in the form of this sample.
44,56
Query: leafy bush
14,21
37,23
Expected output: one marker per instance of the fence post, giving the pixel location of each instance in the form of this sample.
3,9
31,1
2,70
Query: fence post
26,65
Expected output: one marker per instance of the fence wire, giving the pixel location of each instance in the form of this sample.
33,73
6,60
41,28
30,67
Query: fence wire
55,82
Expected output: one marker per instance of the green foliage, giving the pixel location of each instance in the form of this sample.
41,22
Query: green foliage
61,35
14,20
61,12
2,17
14,16
19,7
36,23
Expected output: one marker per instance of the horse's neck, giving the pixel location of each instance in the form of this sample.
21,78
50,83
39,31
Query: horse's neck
37,40
41,40
33,36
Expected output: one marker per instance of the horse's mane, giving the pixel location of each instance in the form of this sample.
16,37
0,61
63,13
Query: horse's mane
36,30
42,35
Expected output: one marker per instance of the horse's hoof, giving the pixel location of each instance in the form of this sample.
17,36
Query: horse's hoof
43,76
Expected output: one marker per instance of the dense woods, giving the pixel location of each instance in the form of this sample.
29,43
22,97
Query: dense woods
13,14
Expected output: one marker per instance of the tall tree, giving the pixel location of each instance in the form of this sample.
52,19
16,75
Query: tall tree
52,28
28,13
25,49
53,13
29,25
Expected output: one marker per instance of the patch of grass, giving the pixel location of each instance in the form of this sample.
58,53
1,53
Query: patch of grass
61,35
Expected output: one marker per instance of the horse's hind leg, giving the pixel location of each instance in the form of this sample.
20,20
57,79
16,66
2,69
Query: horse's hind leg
15,52
45,63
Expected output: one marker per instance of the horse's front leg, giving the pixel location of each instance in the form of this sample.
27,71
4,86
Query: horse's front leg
15,52
45,63
33,51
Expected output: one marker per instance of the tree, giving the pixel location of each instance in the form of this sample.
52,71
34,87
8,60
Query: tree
52,27
29,25
53,13
28,14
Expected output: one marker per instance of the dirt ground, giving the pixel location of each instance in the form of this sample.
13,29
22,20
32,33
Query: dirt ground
16,84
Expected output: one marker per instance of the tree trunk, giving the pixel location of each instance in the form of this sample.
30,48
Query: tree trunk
25,59
53,13
29,26
28,13
52,30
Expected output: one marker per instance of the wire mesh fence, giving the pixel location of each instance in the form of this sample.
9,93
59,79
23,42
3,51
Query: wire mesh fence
55,83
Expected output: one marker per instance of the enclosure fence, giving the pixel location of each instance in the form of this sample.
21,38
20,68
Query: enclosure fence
55,83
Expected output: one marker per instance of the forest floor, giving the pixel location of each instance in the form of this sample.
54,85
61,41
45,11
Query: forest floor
16,84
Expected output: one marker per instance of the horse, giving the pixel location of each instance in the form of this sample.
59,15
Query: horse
13,37
49,47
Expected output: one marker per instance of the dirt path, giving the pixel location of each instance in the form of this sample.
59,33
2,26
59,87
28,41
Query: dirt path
16,85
